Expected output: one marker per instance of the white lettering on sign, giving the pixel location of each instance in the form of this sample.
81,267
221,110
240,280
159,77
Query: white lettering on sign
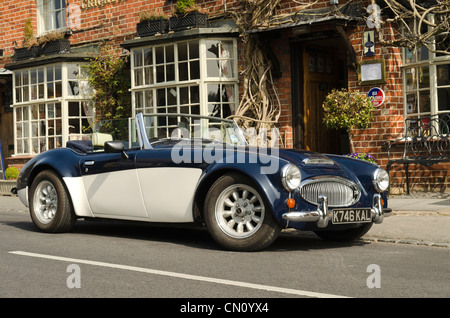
87,4
377,95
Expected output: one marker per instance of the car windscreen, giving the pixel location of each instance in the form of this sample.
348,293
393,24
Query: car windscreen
195,128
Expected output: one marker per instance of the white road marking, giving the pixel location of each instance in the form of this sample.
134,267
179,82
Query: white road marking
181,275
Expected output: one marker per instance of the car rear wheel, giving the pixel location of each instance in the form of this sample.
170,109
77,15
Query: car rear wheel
345,235
237,215
50,206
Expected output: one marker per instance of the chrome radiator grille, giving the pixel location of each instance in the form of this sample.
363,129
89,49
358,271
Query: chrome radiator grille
339,192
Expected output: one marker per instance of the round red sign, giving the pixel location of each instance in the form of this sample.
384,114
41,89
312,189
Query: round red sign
377,95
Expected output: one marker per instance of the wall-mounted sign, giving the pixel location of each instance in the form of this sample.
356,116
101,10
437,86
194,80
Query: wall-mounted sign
371,72
86,4
377,95
369,43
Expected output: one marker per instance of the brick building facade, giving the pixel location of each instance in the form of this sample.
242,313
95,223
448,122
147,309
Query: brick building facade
311,53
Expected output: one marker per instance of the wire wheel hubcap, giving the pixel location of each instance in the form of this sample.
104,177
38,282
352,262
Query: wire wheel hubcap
239,211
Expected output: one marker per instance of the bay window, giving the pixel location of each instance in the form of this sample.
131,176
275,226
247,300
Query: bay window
427,80
443,87
190,77
51,106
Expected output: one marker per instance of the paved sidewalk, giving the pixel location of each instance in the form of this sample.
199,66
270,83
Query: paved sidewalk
421,219
11,204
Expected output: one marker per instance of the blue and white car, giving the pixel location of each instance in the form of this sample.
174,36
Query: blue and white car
178,168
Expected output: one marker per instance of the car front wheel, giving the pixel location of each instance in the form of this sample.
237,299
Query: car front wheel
50,206
237,215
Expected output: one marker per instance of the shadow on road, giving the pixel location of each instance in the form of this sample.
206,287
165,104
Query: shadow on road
194,236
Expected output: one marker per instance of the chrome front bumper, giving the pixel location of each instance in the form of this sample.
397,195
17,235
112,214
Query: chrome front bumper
323,215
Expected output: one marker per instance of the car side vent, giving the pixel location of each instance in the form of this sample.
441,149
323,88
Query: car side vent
339,192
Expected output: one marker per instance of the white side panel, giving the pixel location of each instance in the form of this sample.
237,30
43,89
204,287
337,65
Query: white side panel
115,194
169,193
78,195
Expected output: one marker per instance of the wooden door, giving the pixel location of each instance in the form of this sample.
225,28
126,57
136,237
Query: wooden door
320,76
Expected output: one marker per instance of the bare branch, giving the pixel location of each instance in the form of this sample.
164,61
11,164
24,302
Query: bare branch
417,25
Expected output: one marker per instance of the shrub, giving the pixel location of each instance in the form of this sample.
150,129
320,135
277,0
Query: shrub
51,36
151,15
347,110
185,6
28,33
11,173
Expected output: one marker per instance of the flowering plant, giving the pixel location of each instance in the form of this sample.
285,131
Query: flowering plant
347,110
362,156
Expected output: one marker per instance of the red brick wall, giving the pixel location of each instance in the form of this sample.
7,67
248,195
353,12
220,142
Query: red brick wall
388,120
388,123
100,20
280,48
13,15
117,22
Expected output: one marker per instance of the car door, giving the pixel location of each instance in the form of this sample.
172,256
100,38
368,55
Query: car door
168,189
112,185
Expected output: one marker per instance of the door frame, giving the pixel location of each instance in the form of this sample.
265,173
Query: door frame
297,47
298,124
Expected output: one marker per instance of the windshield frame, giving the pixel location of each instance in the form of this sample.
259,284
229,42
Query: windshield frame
144,140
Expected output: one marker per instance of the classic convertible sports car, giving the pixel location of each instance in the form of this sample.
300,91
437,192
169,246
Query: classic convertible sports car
181,168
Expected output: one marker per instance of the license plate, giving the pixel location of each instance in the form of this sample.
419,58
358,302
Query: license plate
346,216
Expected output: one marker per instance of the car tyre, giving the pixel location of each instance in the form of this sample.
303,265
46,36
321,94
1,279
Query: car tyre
50,207
237,215
345,235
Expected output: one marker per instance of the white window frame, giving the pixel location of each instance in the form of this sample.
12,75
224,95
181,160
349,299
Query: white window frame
46,104
49,13
431,63
139,88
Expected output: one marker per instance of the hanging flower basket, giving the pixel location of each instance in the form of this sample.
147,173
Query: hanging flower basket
152,27
24,53
187,21
55,47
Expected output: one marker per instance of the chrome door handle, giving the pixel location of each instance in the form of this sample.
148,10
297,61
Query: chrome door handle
89,163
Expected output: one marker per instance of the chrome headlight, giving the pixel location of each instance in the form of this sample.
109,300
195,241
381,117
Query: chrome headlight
291,177
381,180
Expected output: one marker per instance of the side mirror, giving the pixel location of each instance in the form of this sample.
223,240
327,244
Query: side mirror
115,146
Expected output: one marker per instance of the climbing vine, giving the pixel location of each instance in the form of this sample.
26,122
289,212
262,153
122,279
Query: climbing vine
260,107
109,76
418,23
